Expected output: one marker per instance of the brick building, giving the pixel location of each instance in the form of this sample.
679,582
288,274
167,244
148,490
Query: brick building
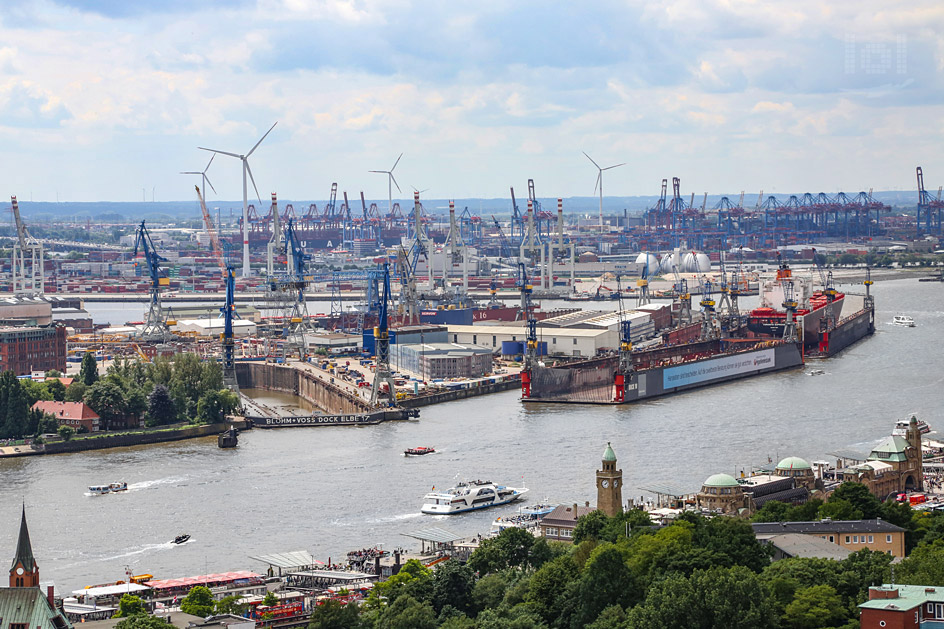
29,349
900,606
74,414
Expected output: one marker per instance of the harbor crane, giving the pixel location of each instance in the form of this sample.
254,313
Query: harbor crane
707,303
228,312
684,297
155,326
642,284
297,265
531,342
211,231
382,373
27,259
826,278
625,374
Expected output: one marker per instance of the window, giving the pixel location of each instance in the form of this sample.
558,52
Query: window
493,341
475,339
831,538
575,340
847,539
855,539
888,539
938,610
554,341
871,539
565,532
18,625
552,530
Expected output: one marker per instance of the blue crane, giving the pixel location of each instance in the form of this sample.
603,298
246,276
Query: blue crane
155,327
531,342
624,370
382,373
228,312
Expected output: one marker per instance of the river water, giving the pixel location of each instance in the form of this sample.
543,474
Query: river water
330,490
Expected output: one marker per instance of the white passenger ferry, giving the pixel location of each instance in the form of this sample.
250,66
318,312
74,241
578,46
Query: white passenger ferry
470,496
904,321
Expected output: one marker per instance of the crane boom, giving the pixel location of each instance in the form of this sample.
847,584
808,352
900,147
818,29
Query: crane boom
211,231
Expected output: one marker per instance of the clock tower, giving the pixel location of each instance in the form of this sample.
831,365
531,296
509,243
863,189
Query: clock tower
609,484
24,573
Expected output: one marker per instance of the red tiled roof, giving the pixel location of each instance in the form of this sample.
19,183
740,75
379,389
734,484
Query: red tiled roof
66,410
65,381
224,577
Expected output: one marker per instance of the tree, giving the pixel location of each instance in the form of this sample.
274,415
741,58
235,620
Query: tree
452,585
214,406
53,373
66,432
270,600
511,548
488,592
108,400
590,526
161,409
613,617
859,496
56,389
606,580
88,372
198,602
546,588
731,537
924,566
143,621
230,605
407,613
815,607
333,614
76,391
129,605
14,407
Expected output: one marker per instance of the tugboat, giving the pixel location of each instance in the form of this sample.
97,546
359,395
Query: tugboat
470,496
180,539
418,451
228,439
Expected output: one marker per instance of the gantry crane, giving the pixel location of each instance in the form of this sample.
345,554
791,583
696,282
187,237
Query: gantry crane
297,262
625,374
531,341
228,312
642,285
155,327
382,373
681,293
707,304
27,259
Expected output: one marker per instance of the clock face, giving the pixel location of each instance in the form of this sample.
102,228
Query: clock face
19,570
615,482
605,483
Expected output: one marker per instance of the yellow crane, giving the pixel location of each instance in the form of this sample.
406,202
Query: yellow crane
211,232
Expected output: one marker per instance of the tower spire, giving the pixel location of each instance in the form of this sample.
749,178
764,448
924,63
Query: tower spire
24,572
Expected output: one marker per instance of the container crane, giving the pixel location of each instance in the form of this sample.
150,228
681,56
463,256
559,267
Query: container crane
155,327
27,259
790,306
228,312
826,277
625,374
684,297
707,304
297,263
531,342
382,373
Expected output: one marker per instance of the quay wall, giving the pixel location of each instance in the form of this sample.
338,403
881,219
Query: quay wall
327,397
459,394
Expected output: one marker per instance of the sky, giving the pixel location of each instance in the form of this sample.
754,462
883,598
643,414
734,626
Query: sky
108,100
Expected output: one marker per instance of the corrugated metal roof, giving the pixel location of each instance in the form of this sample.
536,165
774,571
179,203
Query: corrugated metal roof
110,590
29,607
435,534
667,490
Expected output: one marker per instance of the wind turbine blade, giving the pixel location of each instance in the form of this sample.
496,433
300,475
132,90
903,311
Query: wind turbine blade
212,157
394,179
249,170
261,139
597,182
395,163
208,182
614,166
590,158
190,172
386,172
220,152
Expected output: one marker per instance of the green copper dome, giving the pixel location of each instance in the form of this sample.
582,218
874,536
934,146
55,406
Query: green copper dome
793,463
608,454
721,480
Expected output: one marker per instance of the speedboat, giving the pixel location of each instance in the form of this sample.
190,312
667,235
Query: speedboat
111,488
418,451
180,539
470,496
901,427
904,321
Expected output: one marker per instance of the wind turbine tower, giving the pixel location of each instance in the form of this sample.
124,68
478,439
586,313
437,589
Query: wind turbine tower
246,170
599,183
391,181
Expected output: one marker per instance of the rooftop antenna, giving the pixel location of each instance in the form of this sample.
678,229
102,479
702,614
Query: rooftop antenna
391,181
599,183
203,175
246,170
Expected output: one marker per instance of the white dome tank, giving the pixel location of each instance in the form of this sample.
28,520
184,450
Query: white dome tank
653,261
689,264
667,262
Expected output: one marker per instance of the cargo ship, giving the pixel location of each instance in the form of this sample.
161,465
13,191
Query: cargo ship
664,370
769,319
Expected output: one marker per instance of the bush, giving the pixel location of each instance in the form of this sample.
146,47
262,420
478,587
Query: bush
66,432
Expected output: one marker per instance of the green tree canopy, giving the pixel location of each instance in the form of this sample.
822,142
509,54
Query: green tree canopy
590,526
161,409
859,496
214,406
198,602
129,605
88,372
66,432
143,621
230,605
76,391
107,399
815,607
56,389
452,586
407,613
270,599
333,614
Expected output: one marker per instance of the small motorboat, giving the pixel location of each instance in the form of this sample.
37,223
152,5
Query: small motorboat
180,539
111,488
418,451
904,321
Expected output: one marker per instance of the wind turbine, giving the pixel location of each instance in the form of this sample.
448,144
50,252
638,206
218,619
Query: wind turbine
203,174
599,183
391,181
246,169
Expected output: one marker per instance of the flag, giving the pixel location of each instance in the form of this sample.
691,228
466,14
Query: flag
175,600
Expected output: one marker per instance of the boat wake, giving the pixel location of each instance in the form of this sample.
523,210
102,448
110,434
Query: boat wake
148,484
396,518
142,550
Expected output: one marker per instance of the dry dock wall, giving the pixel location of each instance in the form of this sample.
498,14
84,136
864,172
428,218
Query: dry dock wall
327,397
139,438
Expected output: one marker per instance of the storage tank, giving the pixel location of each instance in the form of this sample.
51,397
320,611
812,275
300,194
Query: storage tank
653,261
702,263
668,260
689,265
511,348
